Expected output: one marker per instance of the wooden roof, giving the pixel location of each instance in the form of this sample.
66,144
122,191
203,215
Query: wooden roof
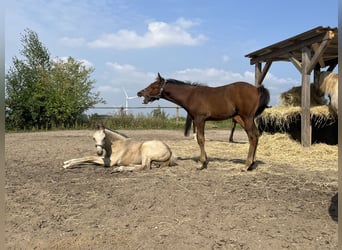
291,48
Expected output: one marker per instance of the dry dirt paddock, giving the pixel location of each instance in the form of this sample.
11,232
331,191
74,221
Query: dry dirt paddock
288,202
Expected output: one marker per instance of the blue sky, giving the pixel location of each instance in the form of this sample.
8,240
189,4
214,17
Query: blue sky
129,41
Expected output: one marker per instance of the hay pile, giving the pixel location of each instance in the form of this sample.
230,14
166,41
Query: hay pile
283,119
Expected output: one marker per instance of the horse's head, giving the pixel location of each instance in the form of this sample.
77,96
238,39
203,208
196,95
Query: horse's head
153,91
100,139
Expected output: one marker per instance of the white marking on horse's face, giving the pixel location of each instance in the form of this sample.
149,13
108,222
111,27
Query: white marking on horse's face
99,138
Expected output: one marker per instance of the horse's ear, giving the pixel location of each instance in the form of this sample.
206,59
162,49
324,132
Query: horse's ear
159,78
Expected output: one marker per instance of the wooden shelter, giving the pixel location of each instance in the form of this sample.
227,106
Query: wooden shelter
308,52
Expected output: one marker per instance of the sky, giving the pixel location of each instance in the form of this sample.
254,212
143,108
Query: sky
128,42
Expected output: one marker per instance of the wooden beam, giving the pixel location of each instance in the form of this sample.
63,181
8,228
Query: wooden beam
276,52
332,67
315,48
318,54
295,62
260,72
305,114
264,72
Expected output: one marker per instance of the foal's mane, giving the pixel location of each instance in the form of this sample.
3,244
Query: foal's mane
186,83
115,134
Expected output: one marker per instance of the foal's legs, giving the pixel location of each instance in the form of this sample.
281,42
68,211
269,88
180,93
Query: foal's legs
128,168
253,138
87,160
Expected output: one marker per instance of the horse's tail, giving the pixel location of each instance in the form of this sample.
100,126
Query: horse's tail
264,99
173,160
187,125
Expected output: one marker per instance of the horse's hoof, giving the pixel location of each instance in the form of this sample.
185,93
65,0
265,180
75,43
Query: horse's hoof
249,167
202,166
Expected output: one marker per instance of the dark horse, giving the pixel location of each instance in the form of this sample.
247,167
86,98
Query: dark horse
240,100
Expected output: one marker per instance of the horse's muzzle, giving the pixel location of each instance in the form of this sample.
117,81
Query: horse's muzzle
147,98
99,149
141,94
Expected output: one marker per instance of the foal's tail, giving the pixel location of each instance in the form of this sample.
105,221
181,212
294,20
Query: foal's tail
187,125
264,99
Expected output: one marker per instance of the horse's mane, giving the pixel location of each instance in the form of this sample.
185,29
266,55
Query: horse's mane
188,83
116,134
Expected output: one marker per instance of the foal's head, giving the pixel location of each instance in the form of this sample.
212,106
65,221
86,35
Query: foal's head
100,139
153,91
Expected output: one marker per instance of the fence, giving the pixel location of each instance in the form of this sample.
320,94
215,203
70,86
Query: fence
122,109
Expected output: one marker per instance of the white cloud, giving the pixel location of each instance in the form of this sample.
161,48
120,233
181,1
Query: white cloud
210,76
122,68
158,34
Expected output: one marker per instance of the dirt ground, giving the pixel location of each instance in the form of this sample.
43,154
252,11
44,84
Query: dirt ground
288,202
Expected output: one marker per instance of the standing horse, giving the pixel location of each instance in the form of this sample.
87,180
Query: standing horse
329,84
205,103
124,152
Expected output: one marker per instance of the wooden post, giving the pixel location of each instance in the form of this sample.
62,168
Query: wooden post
257,72
305,117
177,114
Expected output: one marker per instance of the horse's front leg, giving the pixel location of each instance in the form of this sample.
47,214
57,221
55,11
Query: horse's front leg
200,141
128,168
87,160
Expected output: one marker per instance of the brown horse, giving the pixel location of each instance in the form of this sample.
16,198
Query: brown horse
205,103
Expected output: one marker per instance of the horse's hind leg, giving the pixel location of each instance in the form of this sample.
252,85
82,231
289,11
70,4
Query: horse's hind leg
235,119
232,130
146,162
200,141
253,138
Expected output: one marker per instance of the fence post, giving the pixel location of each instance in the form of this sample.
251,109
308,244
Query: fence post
177,115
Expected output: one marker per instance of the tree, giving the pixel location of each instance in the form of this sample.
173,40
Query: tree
71,92
41,92
25,80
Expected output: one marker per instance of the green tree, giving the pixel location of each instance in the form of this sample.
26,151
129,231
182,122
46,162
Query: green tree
41,92
71,93
26,83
